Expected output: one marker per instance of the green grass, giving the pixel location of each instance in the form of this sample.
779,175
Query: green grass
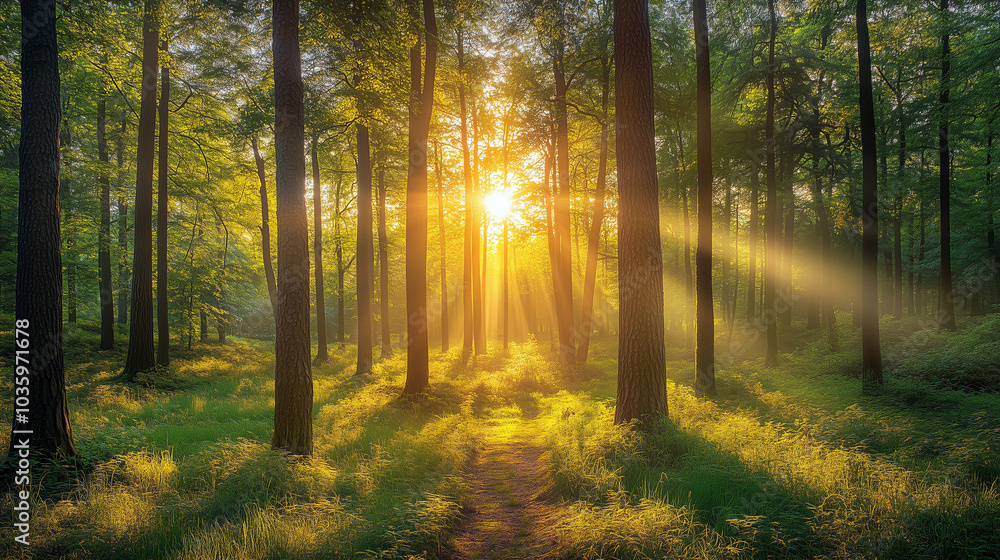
789,462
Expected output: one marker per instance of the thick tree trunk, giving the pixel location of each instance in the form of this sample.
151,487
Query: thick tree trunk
293,388
594,239
422,93
162,297
321,351
265,228
946,302
42,424
104,234
383,265
642,384
871,376
704,384
468,309
141,355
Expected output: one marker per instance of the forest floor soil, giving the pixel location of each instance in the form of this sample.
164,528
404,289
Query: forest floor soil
508,510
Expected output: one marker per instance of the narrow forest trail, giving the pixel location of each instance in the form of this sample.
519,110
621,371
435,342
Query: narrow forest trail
506,481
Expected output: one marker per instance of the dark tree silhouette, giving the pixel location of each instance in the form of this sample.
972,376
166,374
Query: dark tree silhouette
871,376
38,288
104,233
366,253
705,352
293,390
141,356
422,103
946,302
642,387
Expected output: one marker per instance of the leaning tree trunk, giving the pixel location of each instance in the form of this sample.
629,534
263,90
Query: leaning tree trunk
293,388
141,355
705,349
642,387
871,376
422,91
43,423
162,316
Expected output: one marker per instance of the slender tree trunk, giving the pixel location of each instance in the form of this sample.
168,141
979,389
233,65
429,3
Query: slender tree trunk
594,239
688,271
771,209
383,264
468,340
339,250
753,228
265,228
162,296
786,289
123,265
43,424
104,234
479,317
141,356
946,302
991,224
871,376
422,94
641,360
72,260
564,272
222,319
365,260
321,351
705,349
293,388
443,247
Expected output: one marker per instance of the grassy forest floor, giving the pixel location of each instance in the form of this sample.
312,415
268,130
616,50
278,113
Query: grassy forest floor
512,456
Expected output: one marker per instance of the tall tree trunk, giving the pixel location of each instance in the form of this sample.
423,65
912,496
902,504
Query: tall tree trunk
365,259
991,224
443,246
338,247
422,95
771,208
754,229
72,266
104,234
897,222
479,317
564,272
946,302
594,239
38,289
123,268
293,388
321,351
383,265
265,228
871,376
162,297
704,384
786,289
688,272
468,316
642,384
141,356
